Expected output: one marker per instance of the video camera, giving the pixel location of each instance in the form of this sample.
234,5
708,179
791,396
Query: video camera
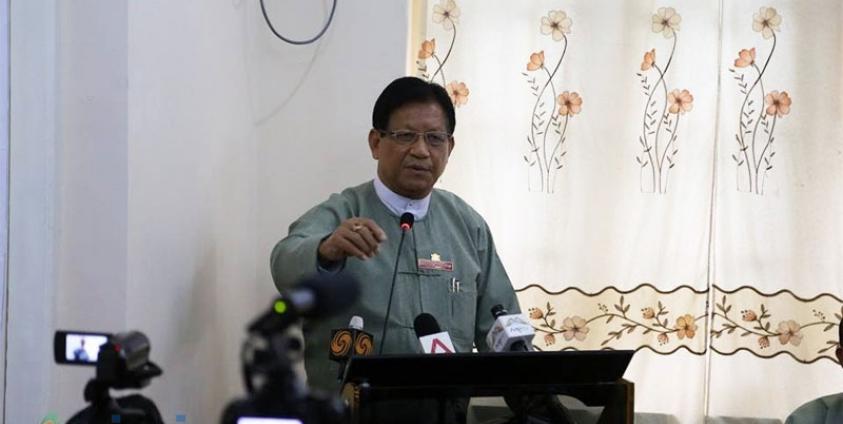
275,394
122,362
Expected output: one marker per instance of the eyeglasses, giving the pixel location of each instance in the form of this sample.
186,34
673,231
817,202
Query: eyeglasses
407,137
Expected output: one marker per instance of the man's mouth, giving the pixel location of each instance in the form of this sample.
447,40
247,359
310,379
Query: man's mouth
418,168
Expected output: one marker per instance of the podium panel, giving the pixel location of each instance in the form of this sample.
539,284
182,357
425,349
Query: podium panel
594,377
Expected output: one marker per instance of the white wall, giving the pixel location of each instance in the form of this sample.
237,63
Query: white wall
32,199
91,169
187,139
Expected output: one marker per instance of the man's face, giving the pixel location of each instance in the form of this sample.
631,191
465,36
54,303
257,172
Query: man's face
411,169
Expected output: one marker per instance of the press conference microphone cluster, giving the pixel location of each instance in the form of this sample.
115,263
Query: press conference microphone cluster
510,332
347,343
406,224
431,336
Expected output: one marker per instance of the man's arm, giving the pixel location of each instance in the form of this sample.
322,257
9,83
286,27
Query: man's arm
295,256
321,240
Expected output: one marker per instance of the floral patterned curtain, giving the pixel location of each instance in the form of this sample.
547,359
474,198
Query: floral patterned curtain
663,177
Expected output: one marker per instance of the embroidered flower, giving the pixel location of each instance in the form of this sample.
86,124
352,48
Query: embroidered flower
549,339
789,333
536,313
666,21
662,338
777,103
766,21
574,327
458,92
748,315
536,61
745,58
764,342
680,102
428,47
648,313
649,59
447,13
686,327
556,23
569,103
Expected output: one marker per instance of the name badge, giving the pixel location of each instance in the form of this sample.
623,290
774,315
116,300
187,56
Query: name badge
436,263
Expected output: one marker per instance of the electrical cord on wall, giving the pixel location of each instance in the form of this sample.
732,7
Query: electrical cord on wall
299,42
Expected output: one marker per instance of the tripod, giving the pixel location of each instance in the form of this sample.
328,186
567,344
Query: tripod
132,409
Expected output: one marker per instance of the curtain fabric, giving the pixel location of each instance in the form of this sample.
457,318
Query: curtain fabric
659,176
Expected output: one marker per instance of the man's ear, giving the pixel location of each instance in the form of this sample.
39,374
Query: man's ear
451,145
374,143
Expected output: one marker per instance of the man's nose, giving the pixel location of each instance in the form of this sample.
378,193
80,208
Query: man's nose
419,147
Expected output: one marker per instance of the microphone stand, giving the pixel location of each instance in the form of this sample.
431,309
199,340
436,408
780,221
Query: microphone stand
406,223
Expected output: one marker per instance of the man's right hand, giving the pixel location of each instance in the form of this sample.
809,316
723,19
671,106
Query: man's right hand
358,237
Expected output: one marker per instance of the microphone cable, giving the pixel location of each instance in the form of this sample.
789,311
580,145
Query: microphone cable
299,42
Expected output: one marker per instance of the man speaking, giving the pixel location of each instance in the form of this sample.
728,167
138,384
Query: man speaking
447,265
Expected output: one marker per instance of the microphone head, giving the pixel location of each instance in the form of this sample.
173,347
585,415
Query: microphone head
407,220
425,325
332,293
499,310
356,323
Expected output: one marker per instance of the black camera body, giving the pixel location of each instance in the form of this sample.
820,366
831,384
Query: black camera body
122,362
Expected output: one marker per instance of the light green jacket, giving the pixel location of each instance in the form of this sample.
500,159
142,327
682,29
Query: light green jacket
824,410
450,232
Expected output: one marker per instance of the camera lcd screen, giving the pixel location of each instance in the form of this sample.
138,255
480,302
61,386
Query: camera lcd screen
83,347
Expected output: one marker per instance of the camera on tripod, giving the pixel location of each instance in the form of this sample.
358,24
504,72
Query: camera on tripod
275,394
122,362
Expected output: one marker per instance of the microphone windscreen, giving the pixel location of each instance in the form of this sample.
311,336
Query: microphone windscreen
425,325
333,293
407,220
356,323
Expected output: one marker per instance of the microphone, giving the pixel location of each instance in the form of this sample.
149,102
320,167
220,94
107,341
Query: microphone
347,343
318,296
432,338
405,223
510,332
407,220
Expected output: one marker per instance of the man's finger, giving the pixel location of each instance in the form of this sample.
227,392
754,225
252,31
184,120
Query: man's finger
349,248
374,228
357,239
367,236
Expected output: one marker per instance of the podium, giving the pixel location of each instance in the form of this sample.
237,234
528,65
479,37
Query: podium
593,377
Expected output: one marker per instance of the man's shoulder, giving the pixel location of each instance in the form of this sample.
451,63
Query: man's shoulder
455,204
352,195
834,401
346,203
817,409
361,189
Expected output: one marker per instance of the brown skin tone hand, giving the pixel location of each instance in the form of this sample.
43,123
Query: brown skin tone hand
357,237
